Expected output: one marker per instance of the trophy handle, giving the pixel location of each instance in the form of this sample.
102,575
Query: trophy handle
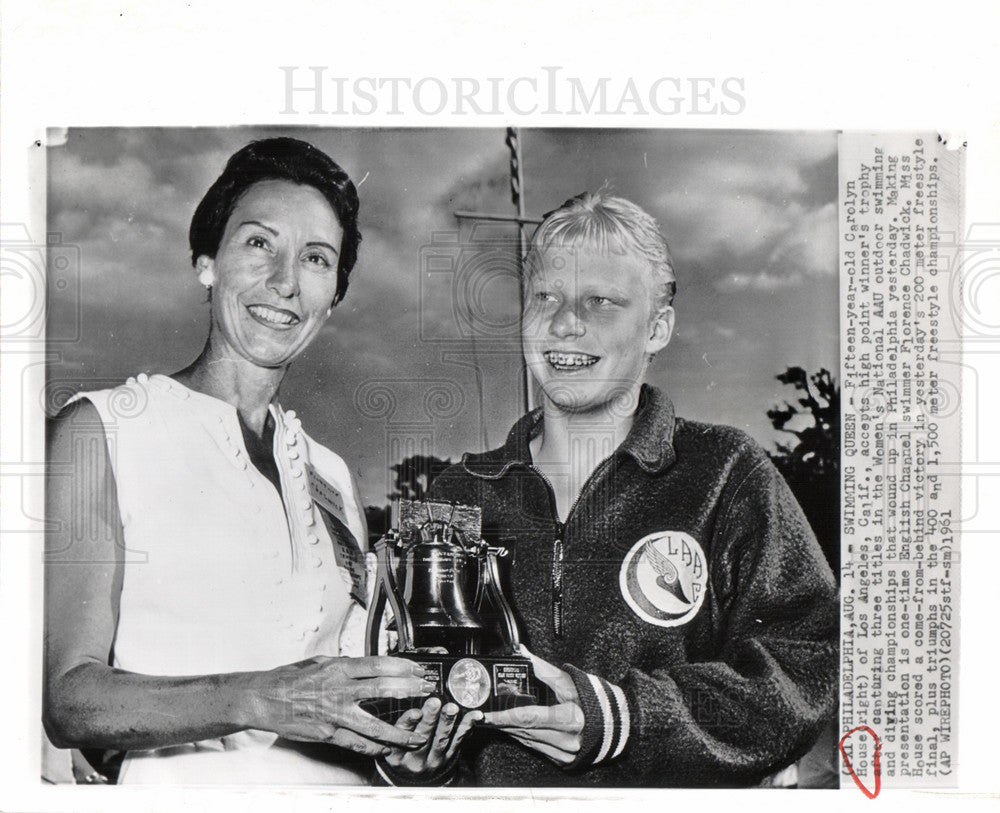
488,592
387,588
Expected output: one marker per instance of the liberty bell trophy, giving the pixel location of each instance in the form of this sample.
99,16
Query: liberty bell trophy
440,582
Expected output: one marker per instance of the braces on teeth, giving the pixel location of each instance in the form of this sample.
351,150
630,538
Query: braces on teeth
570,359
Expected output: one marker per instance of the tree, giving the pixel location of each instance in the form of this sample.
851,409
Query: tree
377,517
413,477
811,464
415,474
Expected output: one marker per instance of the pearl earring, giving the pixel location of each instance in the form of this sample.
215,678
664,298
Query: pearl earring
206,277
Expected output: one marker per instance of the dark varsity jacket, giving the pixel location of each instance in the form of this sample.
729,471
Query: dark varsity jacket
685,594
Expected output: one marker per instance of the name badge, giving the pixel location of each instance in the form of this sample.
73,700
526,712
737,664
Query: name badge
346,550
325,494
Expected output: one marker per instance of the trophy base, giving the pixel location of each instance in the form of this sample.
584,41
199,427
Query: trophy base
483,682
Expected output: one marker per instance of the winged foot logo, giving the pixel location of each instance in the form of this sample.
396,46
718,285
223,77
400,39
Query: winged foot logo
663,578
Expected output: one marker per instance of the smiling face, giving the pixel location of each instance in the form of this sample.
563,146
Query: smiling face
590,325
274,276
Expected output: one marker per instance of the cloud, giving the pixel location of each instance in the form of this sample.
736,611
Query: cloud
126,191
762,281
129,223
779,181
755,213
713,226
807,249
810,247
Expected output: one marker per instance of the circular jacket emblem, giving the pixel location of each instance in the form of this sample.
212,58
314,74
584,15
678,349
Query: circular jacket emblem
469,683
663,578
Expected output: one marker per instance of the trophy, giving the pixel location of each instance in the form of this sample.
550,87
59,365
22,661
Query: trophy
441,582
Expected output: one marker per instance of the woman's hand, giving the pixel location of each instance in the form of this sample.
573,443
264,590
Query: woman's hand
554,731
436,724
317,700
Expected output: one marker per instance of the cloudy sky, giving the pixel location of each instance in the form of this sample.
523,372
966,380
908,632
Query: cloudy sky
421,354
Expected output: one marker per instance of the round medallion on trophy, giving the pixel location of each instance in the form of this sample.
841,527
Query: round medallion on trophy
469,683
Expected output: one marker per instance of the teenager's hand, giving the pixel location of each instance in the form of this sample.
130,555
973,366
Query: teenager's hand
436,724
554,731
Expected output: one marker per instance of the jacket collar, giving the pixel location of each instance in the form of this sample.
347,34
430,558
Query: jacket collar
649,441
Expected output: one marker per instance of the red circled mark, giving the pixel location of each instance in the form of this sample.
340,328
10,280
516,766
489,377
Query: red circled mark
876,765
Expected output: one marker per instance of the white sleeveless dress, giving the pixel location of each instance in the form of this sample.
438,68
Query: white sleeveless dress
223,574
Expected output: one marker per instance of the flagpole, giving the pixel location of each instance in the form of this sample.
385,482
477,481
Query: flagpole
513,142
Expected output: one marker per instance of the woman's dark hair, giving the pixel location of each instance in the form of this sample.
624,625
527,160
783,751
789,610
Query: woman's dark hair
281,159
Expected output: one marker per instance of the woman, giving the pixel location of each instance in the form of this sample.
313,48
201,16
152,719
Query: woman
211,573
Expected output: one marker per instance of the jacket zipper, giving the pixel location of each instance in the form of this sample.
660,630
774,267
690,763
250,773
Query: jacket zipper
558,542
557,582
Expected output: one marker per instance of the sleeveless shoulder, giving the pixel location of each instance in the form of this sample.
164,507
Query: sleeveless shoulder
125,402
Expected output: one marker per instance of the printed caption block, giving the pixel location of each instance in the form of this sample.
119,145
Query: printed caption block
900,213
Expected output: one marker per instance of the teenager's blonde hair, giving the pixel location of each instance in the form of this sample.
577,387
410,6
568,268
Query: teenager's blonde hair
611,224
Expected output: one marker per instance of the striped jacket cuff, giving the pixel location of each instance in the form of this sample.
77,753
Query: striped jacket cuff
607,721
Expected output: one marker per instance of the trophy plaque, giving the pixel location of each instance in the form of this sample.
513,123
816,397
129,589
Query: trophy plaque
440,582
